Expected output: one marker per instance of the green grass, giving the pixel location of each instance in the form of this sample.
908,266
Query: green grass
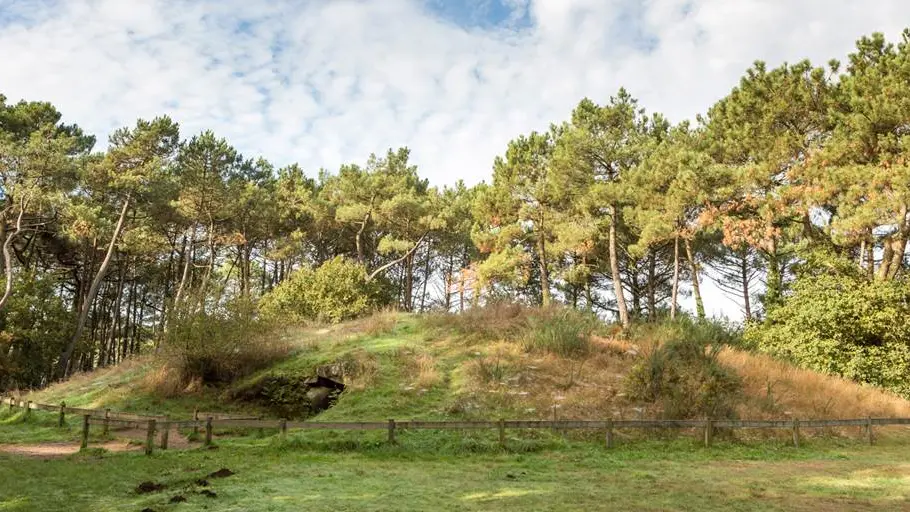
676,475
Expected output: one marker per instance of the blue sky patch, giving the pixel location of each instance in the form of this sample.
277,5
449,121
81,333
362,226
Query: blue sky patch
484,14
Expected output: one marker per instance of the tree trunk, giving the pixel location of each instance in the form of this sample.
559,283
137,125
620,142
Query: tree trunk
775,283
93,290
870,256
747,303
426,277
544,271
7,254
589,299
696,289
652,287
358,239
614,271
188,257
674,300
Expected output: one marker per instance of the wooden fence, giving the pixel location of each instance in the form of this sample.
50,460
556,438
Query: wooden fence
209,421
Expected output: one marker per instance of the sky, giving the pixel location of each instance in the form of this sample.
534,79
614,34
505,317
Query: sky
325,82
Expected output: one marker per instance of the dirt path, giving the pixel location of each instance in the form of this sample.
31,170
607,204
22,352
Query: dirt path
51,450
126,441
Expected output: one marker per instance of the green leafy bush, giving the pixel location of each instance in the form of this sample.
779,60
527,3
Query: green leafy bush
337,290
844,325
685,379
215,346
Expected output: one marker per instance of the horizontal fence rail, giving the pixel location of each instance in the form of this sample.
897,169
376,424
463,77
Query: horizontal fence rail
162,424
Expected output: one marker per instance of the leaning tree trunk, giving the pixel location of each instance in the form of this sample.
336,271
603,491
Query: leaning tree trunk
614,270
696,289
7,255
93,290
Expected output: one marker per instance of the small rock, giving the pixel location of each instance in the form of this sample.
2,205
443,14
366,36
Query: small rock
177,499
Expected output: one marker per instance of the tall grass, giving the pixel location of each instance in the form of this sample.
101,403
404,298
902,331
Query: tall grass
558,330
562,331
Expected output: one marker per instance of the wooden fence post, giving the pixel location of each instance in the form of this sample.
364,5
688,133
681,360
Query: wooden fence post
28,408
391,431
12,403
796,432
709,432
502,432
165,432
195,421
62,419
869,436
609,439
86,421
150,438
107,422
283,430
208,431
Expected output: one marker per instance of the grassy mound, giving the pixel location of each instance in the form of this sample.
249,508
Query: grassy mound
491,363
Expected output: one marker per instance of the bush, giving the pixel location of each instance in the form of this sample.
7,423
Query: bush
559,330
686,380
844,325
336,291
215,347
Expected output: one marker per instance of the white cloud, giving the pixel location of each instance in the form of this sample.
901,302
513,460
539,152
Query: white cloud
325,82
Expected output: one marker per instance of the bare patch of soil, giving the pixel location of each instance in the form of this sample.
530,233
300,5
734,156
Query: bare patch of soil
60,449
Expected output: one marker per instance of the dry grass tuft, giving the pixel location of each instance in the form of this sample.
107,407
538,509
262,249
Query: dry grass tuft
428,375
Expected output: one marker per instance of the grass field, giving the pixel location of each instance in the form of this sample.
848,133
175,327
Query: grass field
434,471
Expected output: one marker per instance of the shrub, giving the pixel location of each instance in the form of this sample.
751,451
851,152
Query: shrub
845,325
337,290
685,379
559,330
213,347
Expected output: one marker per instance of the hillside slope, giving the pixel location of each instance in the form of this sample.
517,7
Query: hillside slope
412,367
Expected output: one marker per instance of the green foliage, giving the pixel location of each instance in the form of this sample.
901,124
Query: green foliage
217,346
337,290
845,325
33,329
686,380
